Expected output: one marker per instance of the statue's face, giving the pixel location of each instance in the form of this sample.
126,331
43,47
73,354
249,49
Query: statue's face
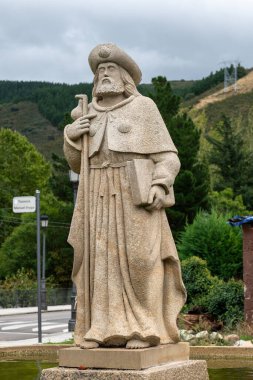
109,79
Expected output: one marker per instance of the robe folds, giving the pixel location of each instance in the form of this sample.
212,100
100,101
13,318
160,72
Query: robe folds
136,288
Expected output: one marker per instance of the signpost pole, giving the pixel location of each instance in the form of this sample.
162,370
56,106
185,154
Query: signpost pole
38,265
31,204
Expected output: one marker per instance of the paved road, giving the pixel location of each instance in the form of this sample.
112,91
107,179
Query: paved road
25,326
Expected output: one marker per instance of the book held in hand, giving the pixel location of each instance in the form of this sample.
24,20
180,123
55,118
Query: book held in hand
140,172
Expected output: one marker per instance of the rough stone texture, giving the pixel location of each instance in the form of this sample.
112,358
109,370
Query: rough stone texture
186,336
104,52
129,284
202,335
116,358
248,272
187,370
216,336
244,343
231,338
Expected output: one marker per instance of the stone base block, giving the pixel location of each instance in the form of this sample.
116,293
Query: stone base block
186,370
122,358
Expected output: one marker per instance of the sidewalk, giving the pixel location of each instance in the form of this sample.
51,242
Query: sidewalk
29,310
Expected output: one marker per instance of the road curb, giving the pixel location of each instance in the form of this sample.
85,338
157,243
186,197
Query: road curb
30,310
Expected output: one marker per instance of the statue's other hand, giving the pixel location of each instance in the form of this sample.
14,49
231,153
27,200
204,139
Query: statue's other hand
155,198
79,127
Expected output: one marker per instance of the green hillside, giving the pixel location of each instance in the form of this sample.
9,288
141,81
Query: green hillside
25,118
238,108
238,105
39,110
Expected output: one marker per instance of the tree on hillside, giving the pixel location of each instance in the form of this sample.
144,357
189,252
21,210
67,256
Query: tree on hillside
59,181
167,103
226,203
192,183
15,252
233,164
23,170
212,239
67,119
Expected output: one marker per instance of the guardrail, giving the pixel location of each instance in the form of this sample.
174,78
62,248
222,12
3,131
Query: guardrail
28,297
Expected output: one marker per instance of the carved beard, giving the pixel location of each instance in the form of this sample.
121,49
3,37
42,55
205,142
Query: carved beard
109,87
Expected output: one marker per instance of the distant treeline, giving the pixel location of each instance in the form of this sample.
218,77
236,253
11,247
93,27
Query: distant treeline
56,100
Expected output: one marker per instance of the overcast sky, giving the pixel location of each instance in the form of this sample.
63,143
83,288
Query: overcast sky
50,40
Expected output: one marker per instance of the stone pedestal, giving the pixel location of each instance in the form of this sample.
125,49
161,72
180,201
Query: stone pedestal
170,362
185,370
122,358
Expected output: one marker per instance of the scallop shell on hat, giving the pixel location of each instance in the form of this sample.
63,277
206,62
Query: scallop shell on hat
104,52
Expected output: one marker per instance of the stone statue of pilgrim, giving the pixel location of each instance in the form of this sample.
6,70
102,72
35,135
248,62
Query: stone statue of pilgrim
136,289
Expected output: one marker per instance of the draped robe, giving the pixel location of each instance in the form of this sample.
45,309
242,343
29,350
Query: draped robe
136,288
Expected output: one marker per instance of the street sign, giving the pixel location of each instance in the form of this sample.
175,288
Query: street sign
23,204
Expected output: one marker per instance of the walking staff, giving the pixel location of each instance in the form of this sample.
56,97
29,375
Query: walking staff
83,102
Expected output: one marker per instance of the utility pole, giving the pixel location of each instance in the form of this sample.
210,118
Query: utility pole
230,78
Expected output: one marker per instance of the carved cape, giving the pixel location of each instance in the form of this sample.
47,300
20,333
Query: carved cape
133,126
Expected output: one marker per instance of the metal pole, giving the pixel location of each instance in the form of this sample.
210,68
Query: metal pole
43,279
38,265
235,70
72,320
75,188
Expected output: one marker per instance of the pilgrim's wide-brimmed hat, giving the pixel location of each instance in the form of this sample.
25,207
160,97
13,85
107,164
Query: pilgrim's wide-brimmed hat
112,53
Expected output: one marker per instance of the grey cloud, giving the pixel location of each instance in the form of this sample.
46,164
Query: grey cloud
50,40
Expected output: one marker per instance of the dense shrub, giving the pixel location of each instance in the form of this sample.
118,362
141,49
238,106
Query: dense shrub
22,279
212,239
226,202
197,279
20,290
225,302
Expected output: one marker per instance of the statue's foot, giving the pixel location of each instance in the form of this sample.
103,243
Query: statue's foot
89,344
136,343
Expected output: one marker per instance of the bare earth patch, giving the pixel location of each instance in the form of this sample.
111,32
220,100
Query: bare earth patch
244,85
